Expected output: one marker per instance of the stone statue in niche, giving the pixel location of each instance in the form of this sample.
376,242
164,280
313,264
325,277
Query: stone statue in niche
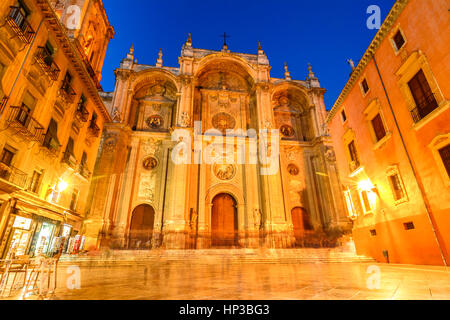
117,115
257,218
193,220
154,121
150,163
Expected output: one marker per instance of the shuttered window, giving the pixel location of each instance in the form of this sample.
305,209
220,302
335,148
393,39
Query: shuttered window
397,188
51,137
423,96
352,151
378,127
445,156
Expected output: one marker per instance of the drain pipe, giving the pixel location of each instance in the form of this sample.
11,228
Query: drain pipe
434,227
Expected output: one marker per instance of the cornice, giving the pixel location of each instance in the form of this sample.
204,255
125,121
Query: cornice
385,28
53,23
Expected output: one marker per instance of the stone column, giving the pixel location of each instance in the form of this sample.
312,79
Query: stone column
175,226
105,186
276,227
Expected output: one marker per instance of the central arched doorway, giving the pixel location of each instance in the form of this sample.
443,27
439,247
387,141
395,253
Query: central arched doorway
224,223
141,227
302,222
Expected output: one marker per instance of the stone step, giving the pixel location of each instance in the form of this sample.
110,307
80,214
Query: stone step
208,256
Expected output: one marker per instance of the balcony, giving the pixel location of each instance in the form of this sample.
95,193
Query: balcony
424,107
67,93
354,165
19,24
88,65
20,120
70,160
51,147
84,171
94,129
82,114
46,63
13,175
3,103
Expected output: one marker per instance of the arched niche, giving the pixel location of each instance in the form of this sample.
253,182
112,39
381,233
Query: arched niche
224,96
291,106
154,101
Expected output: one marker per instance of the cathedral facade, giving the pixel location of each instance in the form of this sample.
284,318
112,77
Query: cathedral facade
144,196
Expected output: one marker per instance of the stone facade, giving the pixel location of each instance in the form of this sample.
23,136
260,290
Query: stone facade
137,183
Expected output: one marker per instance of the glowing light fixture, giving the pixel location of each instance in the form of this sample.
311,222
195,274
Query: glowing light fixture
366,185
62,185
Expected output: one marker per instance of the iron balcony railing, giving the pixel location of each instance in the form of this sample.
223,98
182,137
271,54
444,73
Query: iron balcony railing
354,165
87,63
20,119
82,114
19,24
48,66
67,92
84,171
424,107
94,129
52,146
69,159
13,175
3,103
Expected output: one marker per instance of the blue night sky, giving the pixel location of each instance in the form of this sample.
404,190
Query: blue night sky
325,33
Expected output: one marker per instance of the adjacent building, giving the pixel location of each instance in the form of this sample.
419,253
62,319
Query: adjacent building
143,198
390,128
51,118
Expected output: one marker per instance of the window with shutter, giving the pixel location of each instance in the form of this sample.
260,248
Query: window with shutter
353,154
397,188
423,96
378,127
51,137
445,156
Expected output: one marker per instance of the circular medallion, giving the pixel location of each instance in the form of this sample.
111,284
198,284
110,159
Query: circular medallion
287,131
155,121
292,169
150,163
223,121
224,171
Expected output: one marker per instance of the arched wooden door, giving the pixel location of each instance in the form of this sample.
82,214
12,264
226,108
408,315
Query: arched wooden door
224,224
141,226
301,221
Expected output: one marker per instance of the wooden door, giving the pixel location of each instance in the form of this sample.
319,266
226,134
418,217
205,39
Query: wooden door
224,221
141,226
297,221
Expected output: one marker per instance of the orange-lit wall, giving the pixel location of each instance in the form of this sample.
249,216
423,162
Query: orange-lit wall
426,26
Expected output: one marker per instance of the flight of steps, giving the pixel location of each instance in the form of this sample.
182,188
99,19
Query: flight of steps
212,256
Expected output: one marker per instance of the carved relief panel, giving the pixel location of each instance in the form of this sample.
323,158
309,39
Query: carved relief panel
224,110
